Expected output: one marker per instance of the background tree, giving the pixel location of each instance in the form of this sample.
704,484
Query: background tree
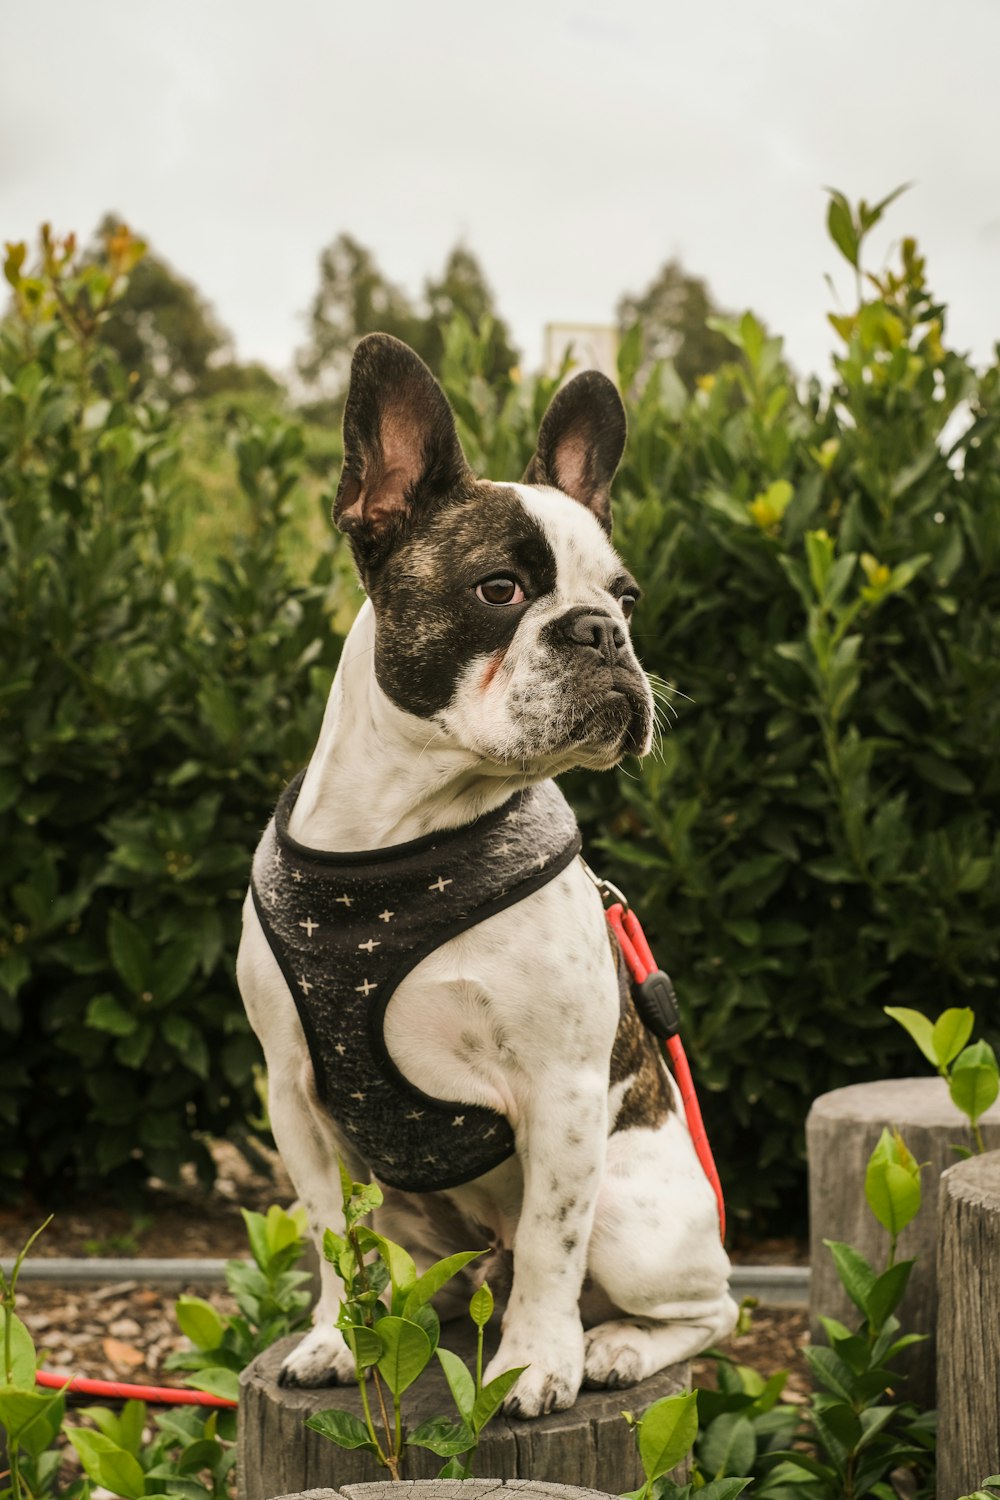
355,297
163,331
462,290
673,312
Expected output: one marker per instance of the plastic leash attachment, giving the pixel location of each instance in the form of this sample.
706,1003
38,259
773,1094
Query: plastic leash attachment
153,1395
656,1004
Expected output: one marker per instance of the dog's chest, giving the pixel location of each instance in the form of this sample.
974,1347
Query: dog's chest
348,930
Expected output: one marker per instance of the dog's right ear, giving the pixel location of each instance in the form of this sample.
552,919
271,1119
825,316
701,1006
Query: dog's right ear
401,450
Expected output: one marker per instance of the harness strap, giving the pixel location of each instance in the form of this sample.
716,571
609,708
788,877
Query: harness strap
656,1004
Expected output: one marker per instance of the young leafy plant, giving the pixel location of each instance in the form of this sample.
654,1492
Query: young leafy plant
664,1436
969,1069
857,1431
270,1296
393,1332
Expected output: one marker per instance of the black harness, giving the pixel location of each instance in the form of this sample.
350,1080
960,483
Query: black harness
346,929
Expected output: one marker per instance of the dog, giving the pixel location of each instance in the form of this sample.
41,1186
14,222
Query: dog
505,1064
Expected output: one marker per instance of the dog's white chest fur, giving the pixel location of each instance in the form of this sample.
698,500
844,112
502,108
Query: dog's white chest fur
494,652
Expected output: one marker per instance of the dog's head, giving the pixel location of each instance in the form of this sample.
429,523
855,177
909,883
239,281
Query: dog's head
502,610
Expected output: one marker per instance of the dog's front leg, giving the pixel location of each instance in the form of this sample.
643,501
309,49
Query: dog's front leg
561,1133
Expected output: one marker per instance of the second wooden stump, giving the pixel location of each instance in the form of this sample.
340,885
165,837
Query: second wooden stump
841,1132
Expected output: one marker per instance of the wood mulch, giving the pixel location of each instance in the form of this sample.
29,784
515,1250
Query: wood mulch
126,1331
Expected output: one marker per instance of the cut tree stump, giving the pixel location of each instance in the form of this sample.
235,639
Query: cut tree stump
841,1132
453,1489
968,1356
590,1445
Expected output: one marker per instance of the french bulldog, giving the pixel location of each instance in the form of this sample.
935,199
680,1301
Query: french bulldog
492,653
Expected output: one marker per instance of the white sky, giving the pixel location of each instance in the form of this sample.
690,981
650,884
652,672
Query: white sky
573,145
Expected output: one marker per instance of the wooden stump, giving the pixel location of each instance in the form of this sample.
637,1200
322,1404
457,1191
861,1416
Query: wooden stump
841,1132
451,1489
968,1354
590,1445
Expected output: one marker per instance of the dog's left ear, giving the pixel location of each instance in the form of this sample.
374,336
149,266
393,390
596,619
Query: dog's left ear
401,449
580,443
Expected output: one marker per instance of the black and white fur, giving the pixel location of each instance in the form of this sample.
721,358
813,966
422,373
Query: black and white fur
444,704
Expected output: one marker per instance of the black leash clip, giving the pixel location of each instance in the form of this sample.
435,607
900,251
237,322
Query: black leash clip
657,1005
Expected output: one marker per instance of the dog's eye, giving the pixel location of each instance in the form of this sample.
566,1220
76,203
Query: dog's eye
627,602
500,591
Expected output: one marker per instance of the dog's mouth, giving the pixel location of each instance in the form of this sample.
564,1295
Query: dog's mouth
618,722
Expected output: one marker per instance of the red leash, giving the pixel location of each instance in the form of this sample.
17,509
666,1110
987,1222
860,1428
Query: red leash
155,1395
656,1004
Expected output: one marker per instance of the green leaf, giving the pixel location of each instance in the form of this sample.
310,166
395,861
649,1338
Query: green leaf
888,1292
892,1193
402,1271
107,1464
481,1306
841,227
488,1401
406,1350
443,1437
728,1446
722,1489
856,1275
435,1277
429,1321
217,1380
919,1028
22,1351
667,1432
342,1428
106,1013
455,1469
975,1082
130,952
19,1409
199,1322
460,1382
364,1343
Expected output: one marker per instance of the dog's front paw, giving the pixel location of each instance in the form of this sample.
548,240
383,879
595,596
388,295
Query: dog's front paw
613,1356
552,1379
322,1358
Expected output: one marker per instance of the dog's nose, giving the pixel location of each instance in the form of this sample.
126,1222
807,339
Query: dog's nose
603,634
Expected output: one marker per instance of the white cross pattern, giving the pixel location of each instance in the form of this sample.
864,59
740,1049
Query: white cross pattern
309,925
305,986
431,1161
504,847
492,1131
415,1114
365,988
386,916
359,1096
272,893
458,1120
440,884
370,946
344,900
297,876
340,1049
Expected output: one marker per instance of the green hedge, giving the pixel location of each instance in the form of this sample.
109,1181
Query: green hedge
815,837
151,709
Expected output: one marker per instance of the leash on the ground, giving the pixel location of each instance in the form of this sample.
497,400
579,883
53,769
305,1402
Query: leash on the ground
120,1390
656,1004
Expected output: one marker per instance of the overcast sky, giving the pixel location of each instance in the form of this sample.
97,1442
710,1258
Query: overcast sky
572,144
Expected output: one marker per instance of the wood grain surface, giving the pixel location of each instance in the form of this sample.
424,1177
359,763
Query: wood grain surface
969,1326
589,1446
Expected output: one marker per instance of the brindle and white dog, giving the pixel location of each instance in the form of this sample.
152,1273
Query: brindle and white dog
493,652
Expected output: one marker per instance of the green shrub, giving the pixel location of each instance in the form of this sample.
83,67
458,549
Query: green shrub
151,710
